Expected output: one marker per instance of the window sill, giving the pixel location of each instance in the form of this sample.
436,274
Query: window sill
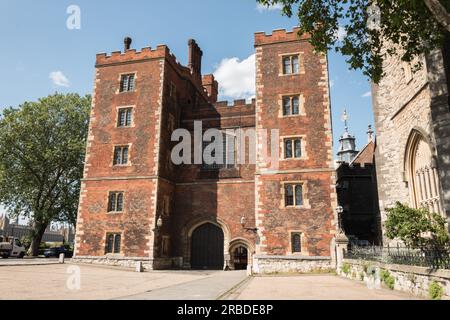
293,159
120,92
115,212
295,207
293,115
114,255
289,75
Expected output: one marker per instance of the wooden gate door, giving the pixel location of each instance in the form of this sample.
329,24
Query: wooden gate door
207,247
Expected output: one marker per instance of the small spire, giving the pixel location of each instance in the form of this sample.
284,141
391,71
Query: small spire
370,133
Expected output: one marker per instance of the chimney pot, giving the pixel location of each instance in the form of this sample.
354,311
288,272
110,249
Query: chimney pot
127,43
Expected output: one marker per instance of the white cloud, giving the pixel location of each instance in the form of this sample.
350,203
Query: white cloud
261,8
59,79
367,94
236,78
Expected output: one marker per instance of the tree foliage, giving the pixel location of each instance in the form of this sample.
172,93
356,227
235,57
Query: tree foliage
42,146
414,27
416,227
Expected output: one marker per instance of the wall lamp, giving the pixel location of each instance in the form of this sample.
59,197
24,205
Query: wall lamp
244,223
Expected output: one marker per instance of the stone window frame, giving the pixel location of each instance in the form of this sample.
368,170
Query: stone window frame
123,202
166,206
128,164
133,112
305,193
303,147
105,241
172,90
423,182
301,105
303,238
120,82
301,64
165,244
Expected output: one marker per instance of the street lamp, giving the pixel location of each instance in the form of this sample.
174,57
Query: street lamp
159,224
340,210
244,223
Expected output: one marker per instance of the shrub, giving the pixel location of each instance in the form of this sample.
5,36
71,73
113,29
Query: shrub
435,291
346,268
388,280
417,227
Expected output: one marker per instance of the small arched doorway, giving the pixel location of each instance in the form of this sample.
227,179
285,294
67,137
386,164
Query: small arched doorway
207,247
240,258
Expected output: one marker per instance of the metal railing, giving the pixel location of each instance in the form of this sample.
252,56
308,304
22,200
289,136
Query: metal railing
423,257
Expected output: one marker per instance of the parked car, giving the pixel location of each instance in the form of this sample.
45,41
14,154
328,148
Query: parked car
11,247
56,251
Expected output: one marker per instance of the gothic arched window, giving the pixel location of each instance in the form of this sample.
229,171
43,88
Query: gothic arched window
422,174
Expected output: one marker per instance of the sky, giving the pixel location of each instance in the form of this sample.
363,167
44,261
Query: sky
41,55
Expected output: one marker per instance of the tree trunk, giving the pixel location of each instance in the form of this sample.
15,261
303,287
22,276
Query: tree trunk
439,12
38,233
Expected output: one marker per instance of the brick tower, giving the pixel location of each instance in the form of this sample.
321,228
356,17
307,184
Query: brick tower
295,199
137,205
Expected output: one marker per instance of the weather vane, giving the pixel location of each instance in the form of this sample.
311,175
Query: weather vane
345,119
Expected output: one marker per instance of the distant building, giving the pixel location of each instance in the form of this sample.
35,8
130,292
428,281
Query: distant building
14,229
357,191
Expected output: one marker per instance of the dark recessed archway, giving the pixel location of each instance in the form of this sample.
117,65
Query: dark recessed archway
207,245
240,258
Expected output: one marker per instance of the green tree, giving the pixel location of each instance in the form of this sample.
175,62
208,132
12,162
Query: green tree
415,27
42,147
416,227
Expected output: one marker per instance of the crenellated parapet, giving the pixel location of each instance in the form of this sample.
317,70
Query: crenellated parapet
132,55
147,53
279,35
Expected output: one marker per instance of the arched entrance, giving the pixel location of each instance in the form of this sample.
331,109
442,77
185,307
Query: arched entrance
207,247
240,258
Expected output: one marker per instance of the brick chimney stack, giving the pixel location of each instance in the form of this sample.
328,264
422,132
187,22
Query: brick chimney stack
195,59
212,86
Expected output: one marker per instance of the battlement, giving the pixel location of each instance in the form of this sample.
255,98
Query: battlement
279,35
235,104
132,55
147,53
346,169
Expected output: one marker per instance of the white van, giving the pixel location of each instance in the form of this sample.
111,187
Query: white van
11,247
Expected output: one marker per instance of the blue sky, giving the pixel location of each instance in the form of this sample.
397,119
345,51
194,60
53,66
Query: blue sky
41,55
